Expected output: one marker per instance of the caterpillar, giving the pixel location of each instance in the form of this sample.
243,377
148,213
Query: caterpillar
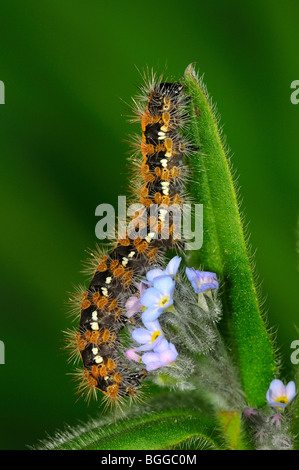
161,109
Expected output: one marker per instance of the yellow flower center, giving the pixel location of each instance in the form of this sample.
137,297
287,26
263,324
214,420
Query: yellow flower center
155,335
164,301
282,400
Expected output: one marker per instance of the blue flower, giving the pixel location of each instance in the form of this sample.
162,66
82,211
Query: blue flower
171,270
164,354
202,280
149,337
280,396
157,298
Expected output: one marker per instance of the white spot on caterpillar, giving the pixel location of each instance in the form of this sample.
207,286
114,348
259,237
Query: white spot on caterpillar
165,187
150,236
98,359
131,254
94,315
108,280
162,213
95,351
161,135
124,261
94,325
104,291
163,162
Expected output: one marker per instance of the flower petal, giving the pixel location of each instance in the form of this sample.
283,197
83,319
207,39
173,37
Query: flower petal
153,326
169,355
132,356
149,345
173,266
157,341
277,389
151,360
291,390
149,357
144,347
133,305
162,346
164,284
141,335
150,275
191,274
150,297
268,397
153,366
151,314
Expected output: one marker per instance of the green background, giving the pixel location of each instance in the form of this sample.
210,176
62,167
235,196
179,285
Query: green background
68,67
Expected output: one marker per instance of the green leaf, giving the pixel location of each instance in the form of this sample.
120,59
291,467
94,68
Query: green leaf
231,424
224,249
149,427
295,420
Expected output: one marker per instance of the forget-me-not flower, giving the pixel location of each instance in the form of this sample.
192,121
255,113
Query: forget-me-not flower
157,298
163,355
202,280
279,395
149,337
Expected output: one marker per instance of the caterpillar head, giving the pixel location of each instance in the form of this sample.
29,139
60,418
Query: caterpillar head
164,97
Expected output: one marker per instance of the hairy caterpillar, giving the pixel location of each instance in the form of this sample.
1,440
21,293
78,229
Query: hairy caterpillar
160,177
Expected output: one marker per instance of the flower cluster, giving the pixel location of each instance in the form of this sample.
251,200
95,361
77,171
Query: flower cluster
155,297
158,352
271,430
190,311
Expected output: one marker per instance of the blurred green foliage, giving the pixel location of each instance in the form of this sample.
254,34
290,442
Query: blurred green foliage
68,67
